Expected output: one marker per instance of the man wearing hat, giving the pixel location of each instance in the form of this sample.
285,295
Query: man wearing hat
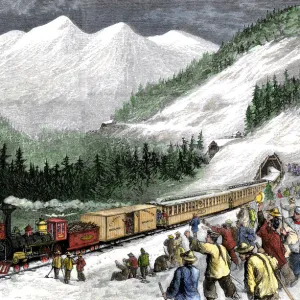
170,244
260,280
272,243
68,266
80,264
185,281
57,263
294,223
143,263
290,207
218,266
133,265
178,248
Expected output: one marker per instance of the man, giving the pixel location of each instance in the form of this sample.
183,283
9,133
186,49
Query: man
194,224
260,280
169,243
245,234
133,265
294,223
123,275
178,248
68,266
80,264
252,216
227,240
161,263
185,281
218,266
272,243
233,229
143,263
57,263
290,207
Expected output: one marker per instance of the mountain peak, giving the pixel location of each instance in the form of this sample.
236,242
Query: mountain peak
60,23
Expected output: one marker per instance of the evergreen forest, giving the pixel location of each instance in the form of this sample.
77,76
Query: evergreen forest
270,99
118,172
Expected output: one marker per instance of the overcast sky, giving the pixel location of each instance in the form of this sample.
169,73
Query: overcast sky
214,20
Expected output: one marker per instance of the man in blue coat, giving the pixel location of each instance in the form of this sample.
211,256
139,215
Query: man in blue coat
184,285
194,224
245,235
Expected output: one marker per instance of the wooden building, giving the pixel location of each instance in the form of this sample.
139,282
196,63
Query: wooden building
213,148
269,161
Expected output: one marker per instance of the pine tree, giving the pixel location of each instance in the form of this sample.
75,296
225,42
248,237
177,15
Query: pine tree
249,119
269,195
19,162
200,141
3,158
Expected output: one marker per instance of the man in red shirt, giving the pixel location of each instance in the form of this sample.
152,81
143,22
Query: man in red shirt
272,242
133,265
80,264
227,240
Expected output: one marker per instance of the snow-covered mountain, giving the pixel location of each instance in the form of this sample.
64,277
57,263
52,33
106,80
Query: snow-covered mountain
218,108
56,76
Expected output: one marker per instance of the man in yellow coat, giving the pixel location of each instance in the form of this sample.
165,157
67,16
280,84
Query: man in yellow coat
218,266
68,266
260,280
57,263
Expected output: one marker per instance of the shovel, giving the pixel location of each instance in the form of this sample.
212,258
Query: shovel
47,276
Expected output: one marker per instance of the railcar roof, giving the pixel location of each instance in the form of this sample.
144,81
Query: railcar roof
120,210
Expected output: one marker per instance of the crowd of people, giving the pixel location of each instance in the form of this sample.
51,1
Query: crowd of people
269,266
293,168
66,266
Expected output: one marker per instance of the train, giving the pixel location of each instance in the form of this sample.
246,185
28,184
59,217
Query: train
99,228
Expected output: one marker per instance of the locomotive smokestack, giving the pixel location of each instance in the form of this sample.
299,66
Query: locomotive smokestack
7,210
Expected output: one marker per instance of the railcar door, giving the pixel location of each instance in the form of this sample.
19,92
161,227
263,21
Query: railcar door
129,223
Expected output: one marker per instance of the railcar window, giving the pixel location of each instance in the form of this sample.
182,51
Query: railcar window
63,227
175,210
179,209
193,205
170,210
58,227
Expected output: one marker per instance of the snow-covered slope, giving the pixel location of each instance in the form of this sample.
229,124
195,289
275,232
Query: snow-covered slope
56,76
218,108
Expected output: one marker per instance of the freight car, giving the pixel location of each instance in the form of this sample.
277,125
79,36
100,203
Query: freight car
97,228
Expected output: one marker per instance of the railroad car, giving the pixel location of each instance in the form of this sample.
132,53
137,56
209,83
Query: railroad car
123,221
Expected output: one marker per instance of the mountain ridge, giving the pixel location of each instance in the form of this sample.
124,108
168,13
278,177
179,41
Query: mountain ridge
68,79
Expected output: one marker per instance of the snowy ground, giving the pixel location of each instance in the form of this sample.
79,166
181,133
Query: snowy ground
34,285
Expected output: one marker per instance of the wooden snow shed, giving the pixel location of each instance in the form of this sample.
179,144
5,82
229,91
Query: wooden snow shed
114,222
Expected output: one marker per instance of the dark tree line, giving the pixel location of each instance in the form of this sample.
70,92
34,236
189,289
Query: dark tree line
272,98
116,167
153,98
